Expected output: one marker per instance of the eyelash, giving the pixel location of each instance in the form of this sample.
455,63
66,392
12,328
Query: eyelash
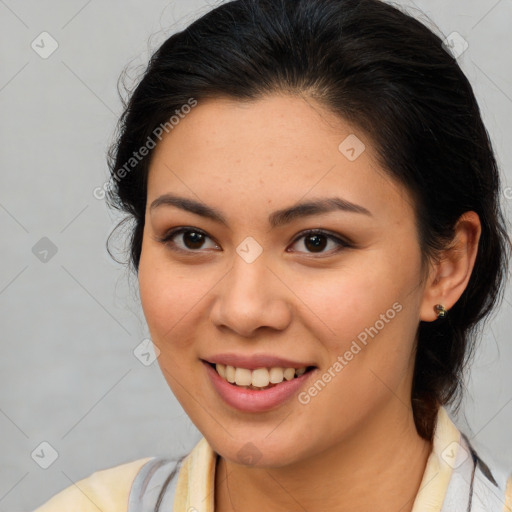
167,240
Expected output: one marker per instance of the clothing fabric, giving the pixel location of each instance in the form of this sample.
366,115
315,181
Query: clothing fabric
455,480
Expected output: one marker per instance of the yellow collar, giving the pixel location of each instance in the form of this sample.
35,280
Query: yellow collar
438,470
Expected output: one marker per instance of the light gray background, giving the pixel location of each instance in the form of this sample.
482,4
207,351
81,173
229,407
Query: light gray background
70,325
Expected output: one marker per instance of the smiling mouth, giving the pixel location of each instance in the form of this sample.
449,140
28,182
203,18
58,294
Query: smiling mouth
260,378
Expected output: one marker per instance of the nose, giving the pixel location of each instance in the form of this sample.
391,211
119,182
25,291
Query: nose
250,297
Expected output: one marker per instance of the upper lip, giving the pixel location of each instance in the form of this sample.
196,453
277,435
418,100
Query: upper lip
255,361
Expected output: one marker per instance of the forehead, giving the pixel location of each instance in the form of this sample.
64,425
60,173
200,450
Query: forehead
274,150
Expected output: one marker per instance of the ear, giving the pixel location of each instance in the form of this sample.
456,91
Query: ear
449,277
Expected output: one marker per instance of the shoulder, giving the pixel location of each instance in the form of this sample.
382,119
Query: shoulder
508,494
107,490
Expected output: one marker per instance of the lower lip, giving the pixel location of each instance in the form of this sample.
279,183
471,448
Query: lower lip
251,400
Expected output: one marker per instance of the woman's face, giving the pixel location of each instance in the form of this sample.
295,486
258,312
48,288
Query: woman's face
345,301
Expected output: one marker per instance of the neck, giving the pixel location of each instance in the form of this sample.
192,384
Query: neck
383,462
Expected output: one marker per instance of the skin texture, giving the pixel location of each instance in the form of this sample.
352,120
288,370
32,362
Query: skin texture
354,445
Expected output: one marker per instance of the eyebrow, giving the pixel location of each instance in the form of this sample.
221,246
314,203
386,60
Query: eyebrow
275,219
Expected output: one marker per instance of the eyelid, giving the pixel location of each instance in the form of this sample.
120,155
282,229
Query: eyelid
166,239
342,242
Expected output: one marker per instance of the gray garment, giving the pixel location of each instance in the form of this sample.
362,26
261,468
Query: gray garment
473,486
154,486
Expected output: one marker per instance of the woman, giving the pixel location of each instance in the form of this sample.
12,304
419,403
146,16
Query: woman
316,235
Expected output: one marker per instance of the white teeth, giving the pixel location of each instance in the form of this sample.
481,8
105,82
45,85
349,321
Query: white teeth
259,378
221,369
230,374
289,373
243,377
276,375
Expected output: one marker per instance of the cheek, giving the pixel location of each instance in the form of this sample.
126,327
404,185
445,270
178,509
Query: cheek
170,300
344,303
170,297
364,313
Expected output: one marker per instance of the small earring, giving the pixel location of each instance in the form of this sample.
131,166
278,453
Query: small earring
440,310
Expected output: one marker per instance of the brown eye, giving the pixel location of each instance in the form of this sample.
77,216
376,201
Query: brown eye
315,241
186,239
193,239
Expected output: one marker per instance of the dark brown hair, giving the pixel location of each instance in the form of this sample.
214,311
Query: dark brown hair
391,76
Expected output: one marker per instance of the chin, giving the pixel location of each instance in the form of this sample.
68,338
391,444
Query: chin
251,452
